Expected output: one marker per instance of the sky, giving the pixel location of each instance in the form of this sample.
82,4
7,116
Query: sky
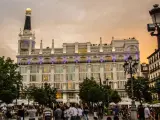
69,21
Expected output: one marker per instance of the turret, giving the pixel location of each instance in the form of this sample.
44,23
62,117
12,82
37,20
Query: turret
27,25
27,38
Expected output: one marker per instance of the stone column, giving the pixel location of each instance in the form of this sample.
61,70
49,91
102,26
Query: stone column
89,70
102,72
30,47
77,76
52,74
114,76
28,74
65,84
40,74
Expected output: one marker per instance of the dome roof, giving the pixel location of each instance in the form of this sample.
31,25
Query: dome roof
28,10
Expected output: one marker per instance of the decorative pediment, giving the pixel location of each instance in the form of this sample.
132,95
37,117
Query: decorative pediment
132,48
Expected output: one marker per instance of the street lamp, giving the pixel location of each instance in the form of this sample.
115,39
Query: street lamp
130,67
155,26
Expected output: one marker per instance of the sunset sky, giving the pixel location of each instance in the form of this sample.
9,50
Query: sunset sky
77,21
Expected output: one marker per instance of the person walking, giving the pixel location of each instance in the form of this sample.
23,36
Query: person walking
141,112
58,113
73,112
20,113
47,114
80,113
66,113
32,113
147,113
85,112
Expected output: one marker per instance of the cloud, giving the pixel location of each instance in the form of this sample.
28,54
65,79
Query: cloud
77,20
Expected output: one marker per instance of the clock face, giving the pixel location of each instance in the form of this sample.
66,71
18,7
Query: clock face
24,44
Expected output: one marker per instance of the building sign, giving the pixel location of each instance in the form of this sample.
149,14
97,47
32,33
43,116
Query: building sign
82,50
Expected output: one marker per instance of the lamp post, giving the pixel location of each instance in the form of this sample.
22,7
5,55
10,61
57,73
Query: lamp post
130,67
154,28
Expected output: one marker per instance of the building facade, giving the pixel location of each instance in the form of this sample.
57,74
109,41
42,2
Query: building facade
154,67
65,68
145,70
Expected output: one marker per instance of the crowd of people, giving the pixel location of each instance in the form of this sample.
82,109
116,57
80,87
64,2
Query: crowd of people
74,112
58,112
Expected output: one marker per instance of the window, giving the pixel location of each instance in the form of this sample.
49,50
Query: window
58,69
70,73
34,69
109,75
32,78
24,78
71,86
120,75
120,67
145,68
96,76
58,73
59,95
83,68
58,85
45,78
71,96
82,76
46,69
23,69
108,67
58,77
95,68
82,72
70,69
70,77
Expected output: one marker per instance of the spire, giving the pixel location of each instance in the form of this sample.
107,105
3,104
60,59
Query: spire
27,25
101,47
52,52
41,48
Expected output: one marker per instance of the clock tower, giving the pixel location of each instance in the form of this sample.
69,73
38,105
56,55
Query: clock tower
26,42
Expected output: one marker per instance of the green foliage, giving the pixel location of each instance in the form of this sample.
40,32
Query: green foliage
85,86
90,91
10,80
44,95
95,94
115,97
141,89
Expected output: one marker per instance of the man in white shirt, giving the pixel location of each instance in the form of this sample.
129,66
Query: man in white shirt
147,113
73,112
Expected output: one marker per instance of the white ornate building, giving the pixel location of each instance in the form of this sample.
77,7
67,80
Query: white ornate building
66,67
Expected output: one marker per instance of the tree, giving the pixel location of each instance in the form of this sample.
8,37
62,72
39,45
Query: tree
87,87
44,95
92,92
115,97
110,95
10,80
95,94
141,90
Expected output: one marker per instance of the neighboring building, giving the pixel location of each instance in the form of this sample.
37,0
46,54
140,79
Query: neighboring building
65,68
154,67
144,70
